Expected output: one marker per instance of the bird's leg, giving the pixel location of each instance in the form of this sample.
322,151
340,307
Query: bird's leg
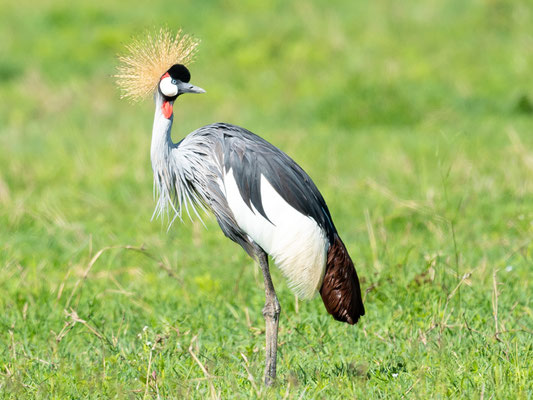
271,313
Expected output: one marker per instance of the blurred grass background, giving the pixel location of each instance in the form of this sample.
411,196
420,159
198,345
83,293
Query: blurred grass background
414,119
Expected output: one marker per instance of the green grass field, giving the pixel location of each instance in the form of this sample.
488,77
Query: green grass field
414,119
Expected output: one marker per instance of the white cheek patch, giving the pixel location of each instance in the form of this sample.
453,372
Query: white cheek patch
167,87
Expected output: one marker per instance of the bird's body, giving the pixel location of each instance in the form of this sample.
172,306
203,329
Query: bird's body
260,197
236,186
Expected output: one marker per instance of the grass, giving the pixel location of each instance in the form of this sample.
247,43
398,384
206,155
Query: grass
415,121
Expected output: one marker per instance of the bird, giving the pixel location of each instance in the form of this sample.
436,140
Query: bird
262,199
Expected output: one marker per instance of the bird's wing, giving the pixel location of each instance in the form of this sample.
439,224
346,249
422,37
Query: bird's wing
250,156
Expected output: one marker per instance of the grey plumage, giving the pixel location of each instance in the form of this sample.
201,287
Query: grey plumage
188,175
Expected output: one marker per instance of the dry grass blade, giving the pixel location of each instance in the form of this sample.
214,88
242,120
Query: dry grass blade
372,240
445,316
148,374
464,279
250,376
140,249
86,272
208,376
519,148
409,204
73,319
73,315
495,295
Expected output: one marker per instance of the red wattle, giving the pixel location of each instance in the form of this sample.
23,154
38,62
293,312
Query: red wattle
167,109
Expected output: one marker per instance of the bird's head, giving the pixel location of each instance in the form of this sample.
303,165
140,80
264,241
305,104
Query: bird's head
173,83
157,62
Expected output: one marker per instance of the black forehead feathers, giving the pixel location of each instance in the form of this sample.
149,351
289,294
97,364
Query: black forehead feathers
180,72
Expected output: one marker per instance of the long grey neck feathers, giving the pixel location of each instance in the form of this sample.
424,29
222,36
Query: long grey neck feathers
175,184
162,163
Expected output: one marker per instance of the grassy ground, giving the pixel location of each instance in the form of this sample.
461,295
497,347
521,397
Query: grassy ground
415,121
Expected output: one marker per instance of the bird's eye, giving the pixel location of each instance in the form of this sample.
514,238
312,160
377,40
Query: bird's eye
168,87
174,82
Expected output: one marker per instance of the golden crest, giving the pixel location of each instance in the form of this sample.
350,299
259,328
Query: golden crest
149,58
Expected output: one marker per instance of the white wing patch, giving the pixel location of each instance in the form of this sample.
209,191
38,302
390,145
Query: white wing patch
295,241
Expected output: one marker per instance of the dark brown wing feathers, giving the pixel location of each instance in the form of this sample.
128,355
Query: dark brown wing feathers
340,289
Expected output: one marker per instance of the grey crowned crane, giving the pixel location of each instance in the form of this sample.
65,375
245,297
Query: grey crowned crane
260,197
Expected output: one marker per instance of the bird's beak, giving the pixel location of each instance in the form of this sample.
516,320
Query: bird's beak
188,88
